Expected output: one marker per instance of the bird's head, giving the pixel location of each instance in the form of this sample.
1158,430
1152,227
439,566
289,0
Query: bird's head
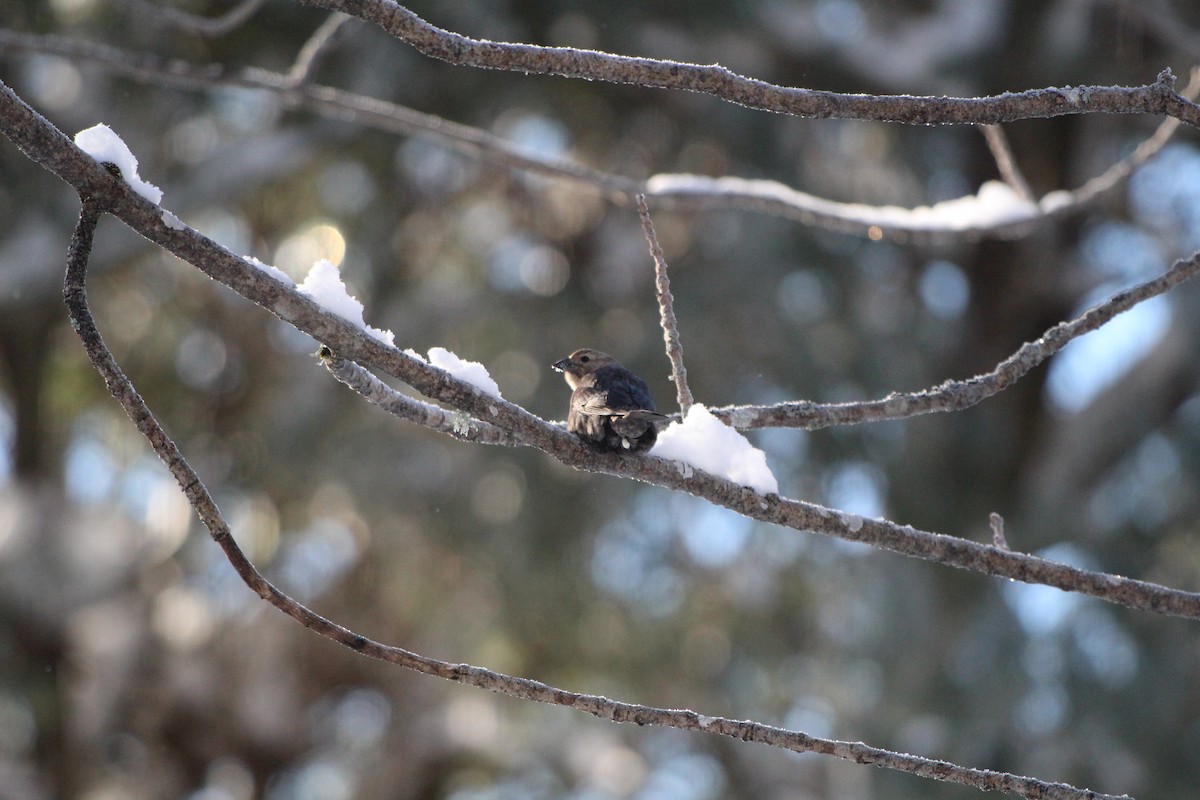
582,362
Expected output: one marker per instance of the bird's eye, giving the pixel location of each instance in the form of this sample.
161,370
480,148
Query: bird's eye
585,359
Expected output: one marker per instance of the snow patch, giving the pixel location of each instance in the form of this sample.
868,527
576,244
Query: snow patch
324,285
995,203
703,441
471,372
102,144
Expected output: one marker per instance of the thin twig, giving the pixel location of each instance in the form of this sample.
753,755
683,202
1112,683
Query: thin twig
666,309
316,48
957,395
135,407
204,26
1165,22
1005,162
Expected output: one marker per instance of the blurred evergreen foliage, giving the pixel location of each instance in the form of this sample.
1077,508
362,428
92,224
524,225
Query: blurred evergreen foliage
134,664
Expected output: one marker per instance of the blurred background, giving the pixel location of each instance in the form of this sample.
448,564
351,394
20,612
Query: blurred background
133,662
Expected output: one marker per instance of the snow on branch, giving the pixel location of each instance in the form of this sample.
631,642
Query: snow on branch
988,212
47,146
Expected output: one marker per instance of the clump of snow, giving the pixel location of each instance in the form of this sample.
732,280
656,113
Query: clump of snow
171,221
703,441
995,203
471,372
102,144
272,270
324,285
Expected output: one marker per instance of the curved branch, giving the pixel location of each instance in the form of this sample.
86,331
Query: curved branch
957,395
522,688
194,23
1159,97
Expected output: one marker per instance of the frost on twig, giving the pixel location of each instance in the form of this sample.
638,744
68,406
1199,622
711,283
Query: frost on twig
997,524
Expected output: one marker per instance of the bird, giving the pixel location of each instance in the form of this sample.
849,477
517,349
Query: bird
611,408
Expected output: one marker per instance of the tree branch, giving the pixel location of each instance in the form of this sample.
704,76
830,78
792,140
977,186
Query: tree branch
349,341
1005,162
957,395
374,391
1159,97
204,26
316,48
666,309
124,392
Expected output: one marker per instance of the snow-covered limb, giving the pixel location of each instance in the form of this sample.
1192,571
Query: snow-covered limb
471,372
375,391
324,285
995,205
706,442
102,144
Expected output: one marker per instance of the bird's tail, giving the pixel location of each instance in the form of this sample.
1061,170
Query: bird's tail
634,424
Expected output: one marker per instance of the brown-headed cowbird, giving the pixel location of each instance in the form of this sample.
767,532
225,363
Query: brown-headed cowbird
611,408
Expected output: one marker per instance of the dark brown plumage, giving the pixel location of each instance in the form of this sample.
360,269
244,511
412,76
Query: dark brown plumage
611,408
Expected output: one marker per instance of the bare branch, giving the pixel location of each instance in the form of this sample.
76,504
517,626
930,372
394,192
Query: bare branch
1161,18
1159,97
204,26
316,48
666,309
998,144
957,395
198,496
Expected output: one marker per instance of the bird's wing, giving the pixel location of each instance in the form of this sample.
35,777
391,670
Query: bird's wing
624,390
592,401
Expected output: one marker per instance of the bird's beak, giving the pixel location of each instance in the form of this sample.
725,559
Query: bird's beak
561,365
